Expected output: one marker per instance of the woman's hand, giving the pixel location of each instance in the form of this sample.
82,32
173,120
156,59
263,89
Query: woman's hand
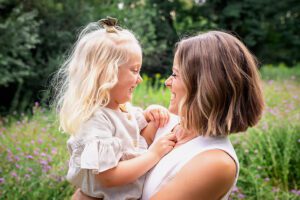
157,113
163,145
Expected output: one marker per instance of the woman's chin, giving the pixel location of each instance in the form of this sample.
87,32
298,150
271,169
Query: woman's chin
173,109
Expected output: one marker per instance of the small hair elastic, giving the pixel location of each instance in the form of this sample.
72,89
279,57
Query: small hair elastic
110,24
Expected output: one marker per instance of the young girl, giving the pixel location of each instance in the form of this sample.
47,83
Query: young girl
108,155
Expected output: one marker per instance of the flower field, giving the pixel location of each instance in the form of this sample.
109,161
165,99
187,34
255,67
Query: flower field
34,157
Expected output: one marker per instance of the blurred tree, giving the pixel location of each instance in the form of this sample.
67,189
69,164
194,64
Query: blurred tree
269,28
35,35
19,36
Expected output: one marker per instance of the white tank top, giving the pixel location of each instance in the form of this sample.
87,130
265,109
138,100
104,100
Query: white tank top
171,164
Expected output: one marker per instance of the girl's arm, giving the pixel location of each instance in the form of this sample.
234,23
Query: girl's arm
149,132
130,170
207,176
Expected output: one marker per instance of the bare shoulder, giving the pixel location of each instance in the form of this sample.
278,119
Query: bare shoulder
217,163
209,175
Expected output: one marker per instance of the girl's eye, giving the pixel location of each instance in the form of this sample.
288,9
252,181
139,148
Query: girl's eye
173,74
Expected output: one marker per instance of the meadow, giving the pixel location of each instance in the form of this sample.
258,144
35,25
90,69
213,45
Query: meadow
34,157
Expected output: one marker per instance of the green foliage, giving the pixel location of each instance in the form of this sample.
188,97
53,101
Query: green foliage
19,36
269,28
34,156
35,36
280,72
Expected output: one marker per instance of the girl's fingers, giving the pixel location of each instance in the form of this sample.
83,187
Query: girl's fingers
151,116
171,137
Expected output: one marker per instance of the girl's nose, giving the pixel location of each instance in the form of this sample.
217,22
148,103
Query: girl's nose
168,82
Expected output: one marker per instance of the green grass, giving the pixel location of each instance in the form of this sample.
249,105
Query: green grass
34,157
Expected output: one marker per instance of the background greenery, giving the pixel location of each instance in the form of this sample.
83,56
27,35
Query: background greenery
34,157
36,34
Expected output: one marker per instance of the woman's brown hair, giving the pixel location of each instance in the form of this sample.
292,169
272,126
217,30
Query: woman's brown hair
222,82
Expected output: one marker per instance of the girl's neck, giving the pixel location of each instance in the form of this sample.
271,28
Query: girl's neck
113,105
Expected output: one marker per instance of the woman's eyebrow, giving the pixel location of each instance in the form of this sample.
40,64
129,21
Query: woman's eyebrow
136,66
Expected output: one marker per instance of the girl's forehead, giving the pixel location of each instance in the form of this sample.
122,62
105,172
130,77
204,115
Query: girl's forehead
133,59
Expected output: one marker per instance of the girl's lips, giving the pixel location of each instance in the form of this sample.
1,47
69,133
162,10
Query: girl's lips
131,89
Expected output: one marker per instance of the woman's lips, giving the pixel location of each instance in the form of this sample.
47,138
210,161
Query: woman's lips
173,95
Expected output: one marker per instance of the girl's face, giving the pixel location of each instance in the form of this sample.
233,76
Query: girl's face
176,86
128,78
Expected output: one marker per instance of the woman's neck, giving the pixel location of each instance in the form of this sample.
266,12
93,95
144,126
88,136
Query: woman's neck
183,135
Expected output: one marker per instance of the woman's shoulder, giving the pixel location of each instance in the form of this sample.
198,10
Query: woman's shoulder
212,170
215,161
208,175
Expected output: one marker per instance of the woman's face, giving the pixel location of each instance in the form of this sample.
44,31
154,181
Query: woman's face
128,79
176,86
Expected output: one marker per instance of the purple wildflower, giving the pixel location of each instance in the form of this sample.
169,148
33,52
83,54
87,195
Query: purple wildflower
29,156
36,152
13,174
54,151
17,158
2,180
270,81
27,176
267,179
44,162
235,189
9,158
296,192
43,154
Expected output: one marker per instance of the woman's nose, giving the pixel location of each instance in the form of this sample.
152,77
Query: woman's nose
139,79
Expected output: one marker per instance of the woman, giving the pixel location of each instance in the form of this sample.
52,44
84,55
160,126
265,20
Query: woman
216,91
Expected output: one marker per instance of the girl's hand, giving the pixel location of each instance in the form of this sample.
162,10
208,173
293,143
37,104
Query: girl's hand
157,113
163,145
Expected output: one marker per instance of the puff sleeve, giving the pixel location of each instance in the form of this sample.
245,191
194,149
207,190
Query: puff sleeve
140,118
98,149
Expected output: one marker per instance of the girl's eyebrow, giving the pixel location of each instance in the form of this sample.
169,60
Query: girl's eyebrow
175,69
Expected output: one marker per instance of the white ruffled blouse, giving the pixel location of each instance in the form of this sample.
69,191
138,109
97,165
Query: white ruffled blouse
108,137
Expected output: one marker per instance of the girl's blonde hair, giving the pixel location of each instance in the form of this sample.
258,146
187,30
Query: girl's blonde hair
222,83
86,77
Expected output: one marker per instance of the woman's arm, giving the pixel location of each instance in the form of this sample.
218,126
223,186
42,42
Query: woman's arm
209,175
130,170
